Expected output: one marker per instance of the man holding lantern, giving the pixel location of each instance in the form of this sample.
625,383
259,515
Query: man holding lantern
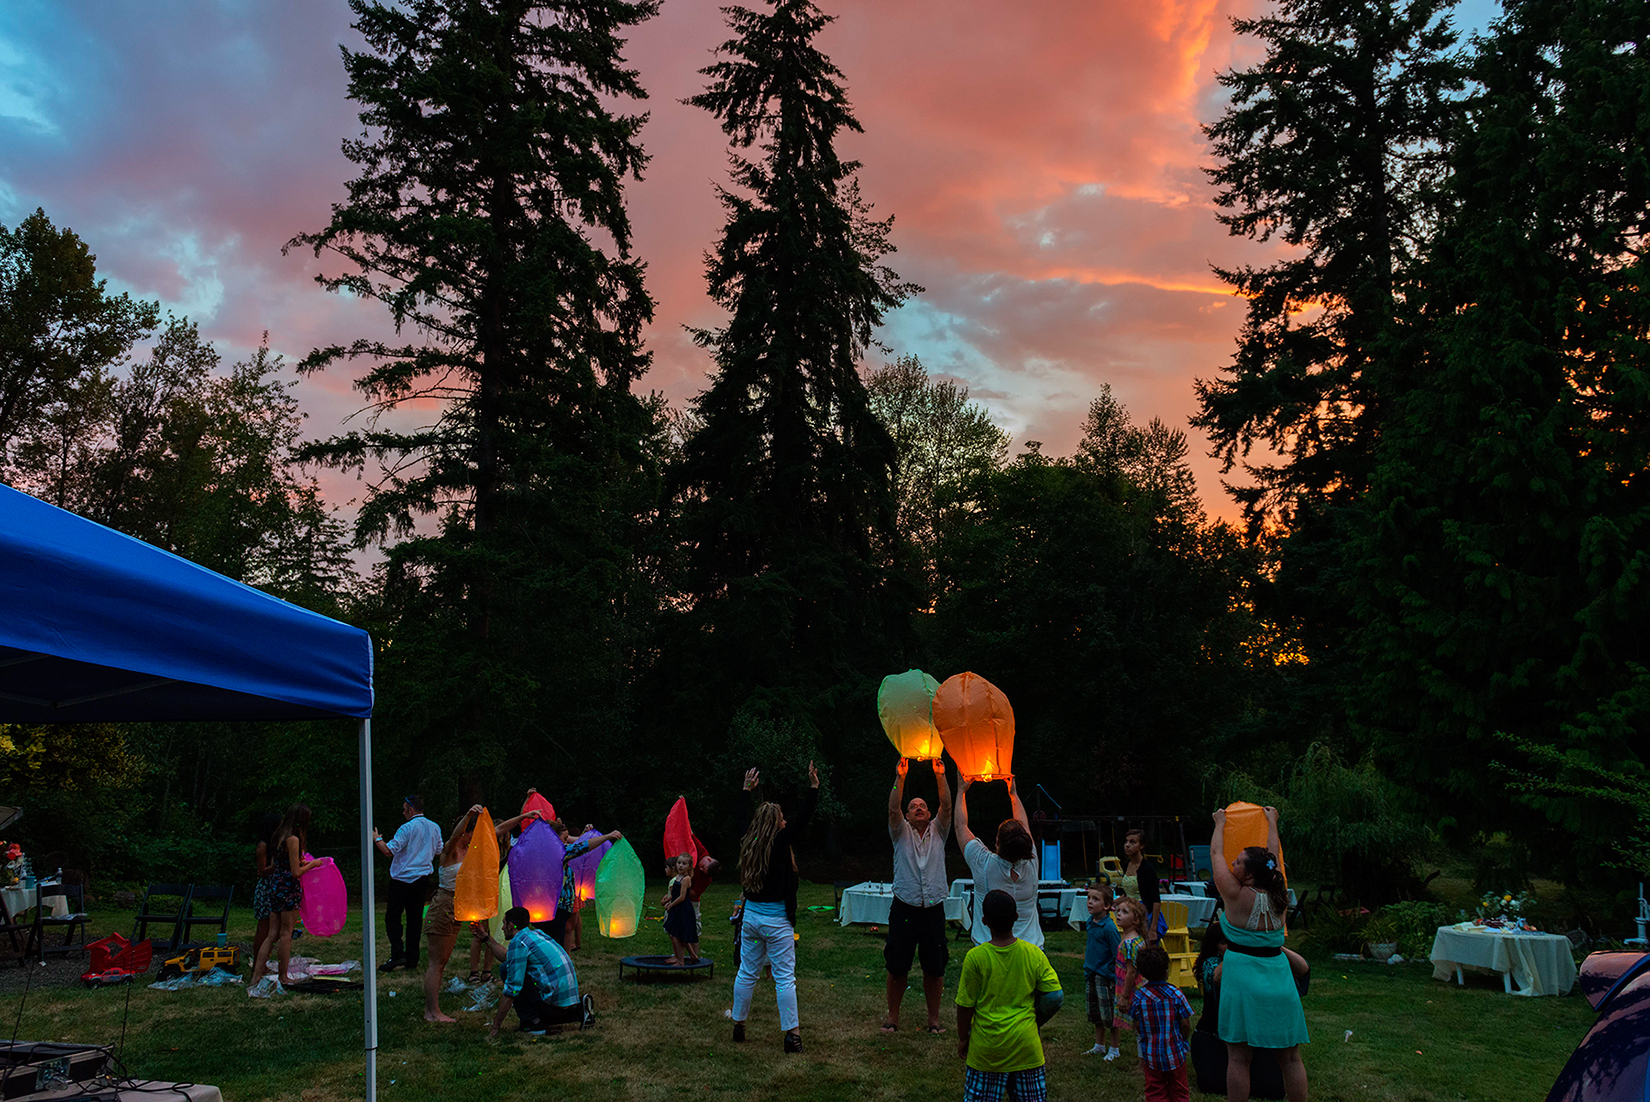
916,916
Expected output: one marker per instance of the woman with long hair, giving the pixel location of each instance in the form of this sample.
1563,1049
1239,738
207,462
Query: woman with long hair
1260,1006
768,933
1010,867
1139,882
286,853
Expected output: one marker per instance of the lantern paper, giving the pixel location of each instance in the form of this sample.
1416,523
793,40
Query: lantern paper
1246,826
585,866
535,802
535,871
905,704
495,925
325,904
475,896
620,885
976,723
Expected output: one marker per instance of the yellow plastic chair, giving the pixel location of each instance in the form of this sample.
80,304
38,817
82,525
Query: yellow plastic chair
1177,942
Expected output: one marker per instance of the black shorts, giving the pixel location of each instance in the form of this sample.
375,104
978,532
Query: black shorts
916,932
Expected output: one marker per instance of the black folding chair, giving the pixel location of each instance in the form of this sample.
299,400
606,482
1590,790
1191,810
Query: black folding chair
14,937
44,922
196,916
153,910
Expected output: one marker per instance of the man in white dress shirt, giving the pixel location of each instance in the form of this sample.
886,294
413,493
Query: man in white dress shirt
412,853
916,916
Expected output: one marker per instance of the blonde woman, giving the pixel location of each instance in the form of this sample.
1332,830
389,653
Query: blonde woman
767,935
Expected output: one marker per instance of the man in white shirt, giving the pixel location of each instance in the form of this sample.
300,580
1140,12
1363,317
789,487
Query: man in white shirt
916,917
412,853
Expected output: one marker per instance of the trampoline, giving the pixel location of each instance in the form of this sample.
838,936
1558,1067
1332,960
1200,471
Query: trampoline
654,967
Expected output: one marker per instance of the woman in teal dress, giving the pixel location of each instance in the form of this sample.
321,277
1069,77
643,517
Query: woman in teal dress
1259,1004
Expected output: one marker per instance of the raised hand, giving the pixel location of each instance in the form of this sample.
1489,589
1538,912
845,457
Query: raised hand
901,767
752,778
813,775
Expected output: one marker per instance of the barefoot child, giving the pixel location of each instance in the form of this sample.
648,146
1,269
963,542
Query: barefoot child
680,923
1128,914
1100,971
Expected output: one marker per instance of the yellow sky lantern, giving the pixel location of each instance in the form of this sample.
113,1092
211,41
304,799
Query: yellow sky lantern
976,723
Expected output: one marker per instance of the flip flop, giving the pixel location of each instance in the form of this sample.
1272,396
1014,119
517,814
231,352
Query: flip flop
890,1027
936,1029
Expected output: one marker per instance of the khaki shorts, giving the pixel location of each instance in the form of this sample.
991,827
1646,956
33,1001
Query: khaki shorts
439,923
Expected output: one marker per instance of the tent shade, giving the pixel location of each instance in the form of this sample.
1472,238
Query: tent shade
98,626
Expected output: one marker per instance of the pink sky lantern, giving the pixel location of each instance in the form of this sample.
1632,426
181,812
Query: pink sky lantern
536,802
977,723
585,866
535,871
905,704
325,904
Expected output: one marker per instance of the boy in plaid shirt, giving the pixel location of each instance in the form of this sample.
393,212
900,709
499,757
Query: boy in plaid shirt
1163,1022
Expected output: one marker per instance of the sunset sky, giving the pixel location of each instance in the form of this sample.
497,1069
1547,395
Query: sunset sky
1043,162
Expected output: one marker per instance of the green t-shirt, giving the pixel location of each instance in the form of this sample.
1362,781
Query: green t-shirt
999,982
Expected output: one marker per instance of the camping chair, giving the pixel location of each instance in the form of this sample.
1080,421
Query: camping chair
44,921
218,918
151,910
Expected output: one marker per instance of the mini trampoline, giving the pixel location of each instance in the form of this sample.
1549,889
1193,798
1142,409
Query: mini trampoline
654,967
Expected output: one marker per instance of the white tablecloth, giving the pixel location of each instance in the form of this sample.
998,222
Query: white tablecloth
1540,964
19,900
1198,910
963,891
871,902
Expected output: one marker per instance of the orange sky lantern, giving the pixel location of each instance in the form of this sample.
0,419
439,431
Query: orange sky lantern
475,896
905,704
976,723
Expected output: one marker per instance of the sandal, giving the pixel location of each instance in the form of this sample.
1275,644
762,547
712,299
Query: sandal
475,978
936,1030
890,1027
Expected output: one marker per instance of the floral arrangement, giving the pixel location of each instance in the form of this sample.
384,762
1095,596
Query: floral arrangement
1504,908
11,871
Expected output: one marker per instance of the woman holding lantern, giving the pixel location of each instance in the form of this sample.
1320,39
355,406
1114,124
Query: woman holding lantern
768,933
1011,868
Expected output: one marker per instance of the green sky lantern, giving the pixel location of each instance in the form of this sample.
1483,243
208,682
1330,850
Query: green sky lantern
905,702
620,886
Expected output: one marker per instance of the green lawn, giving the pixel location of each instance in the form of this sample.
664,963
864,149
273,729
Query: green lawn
1412,1037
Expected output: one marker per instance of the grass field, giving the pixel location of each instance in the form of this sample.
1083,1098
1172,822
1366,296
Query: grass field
1412,1037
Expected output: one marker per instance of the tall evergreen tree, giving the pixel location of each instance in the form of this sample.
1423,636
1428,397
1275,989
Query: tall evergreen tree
1507,551
488,217
785,487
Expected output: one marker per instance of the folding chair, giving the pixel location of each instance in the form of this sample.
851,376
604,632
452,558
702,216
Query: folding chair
215,917
14,937
45,921
150,910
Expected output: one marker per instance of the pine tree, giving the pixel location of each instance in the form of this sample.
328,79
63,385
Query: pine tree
785,487
488,217
1505,555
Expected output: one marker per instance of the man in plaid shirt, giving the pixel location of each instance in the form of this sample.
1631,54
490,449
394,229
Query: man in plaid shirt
539,979
1163,1023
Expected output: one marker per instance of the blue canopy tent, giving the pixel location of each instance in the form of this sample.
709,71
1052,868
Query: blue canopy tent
96,626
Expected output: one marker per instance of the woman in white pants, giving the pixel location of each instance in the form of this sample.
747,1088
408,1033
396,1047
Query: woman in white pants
768,934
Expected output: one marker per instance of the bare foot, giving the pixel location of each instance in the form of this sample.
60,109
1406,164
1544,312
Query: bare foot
890,1027
437,1016
673,961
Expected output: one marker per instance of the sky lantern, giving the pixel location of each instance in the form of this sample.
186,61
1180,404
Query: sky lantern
1245,827
905,704
326,902
977,725
535,802
535,871
585,866
620,885
475,896
495,925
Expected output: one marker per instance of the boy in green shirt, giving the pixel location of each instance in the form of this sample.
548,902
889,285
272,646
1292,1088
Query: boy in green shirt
1008,989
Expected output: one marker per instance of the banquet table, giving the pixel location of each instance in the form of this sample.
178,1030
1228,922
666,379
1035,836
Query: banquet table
1539,964
1062,894
19,900
1199,909
869,902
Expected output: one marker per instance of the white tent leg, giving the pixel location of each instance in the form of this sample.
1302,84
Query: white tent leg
369,916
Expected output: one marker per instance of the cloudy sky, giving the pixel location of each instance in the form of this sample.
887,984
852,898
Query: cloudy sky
1043,162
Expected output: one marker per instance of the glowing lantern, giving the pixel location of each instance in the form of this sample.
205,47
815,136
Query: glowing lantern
905,704
620,885
535,802
495,925
977,725
585,866
1246,826
475,896
326,903
535,871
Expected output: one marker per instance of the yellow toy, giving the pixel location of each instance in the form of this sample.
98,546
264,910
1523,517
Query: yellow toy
202,960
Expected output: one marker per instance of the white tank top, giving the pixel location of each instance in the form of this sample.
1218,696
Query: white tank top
447,878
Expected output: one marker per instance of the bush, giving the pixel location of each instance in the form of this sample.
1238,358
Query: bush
1330,930
1413,924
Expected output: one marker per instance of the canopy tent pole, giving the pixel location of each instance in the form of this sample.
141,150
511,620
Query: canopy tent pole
369,916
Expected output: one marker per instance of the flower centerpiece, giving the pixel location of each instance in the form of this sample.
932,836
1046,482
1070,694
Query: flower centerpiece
1504,909
11,864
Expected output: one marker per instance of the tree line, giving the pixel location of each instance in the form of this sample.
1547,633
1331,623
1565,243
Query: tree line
1434,400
